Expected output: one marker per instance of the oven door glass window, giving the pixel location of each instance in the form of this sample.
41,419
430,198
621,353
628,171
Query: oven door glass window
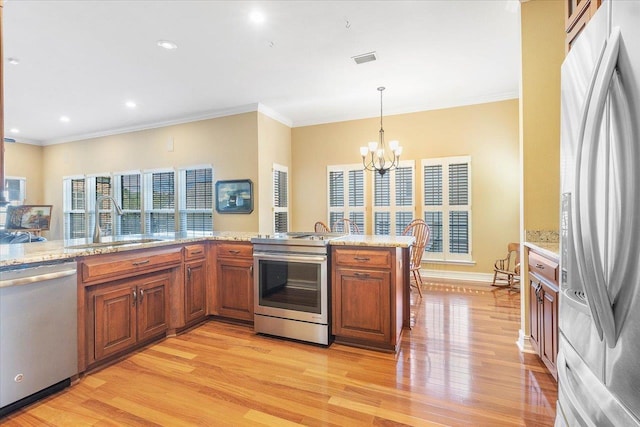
290,285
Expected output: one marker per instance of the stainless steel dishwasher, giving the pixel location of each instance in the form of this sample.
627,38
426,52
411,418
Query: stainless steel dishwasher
38,332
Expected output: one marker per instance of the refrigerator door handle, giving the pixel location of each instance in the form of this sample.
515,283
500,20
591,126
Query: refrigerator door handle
590,263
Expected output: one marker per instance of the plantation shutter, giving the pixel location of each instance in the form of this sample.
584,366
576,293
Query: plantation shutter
447,207
280,199
160,218
196,202
130,222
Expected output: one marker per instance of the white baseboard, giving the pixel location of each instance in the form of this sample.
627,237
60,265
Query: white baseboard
456,275
523,343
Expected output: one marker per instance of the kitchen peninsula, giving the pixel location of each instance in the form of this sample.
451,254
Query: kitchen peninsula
164,284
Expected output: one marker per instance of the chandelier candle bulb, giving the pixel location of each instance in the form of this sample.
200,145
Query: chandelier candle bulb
373,146
364,151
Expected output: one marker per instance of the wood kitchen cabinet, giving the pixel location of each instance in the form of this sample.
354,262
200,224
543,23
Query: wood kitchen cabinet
234,281
543,308
195,283
128,312
367,297
124,301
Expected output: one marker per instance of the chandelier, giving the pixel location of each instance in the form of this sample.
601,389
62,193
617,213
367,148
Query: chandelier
376,157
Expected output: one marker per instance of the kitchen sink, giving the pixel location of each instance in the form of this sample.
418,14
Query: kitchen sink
110,244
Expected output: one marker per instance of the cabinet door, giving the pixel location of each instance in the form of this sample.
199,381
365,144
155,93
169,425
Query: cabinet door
115,321
549,348
235,288
153,307
534,314
195,299
362,305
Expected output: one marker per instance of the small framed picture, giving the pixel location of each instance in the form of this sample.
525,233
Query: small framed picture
28,217
234,196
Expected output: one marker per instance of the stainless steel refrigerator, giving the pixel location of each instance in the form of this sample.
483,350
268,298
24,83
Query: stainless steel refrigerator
599,341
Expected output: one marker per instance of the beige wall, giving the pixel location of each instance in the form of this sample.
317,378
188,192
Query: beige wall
486,132
25,161
543,51
274,146
229,144
543,40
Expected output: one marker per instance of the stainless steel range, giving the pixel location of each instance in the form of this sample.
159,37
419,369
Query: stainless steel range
291,279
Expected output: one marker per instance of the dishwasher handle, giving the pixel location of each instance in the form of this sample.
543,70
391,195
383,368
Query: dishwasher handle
39,278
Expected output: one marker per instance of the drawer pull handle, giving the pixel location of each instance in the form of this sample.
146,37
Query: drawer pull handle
362,258
196,252
146,261
189,273
361,274
134,297
234,251
141,295
540,266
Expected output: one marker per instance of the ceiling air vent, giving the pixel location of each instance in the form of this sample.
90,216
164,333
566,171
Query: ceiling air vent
365,57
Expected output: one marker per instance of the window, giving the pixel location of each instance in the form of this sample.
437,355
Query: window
393,199
346,189
128,192
196,199
15,194
74,211
447,207
280,198
160,202
100,186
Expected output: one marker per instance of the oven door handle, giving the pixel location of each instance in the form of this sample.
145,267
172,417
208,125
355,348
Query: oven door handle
287,257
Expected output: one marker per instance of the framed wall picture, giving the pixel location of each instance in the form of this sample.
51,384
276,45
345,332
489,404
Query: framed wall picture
28,217
234,196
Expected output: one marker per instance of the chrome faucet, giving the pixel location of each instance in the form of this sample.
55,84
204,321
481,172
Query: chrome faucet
97,233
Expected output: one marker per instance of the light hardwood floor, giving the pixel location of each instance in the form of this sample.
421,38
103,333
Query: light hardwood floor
459,365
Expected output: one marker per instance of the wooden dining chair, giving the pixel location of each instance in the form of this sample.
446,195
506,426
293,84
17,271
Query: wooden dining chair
321,227
421,231
346,226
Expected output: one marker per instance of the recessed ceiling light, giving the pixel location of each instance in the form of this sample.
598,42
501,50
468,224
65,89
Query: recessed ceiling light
166,44
14,130
13,61
257,17
130,104
64,119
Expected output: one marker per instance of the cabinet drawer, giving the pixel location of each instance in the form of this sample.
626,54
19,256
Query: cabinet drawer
543,266
106,267
235,250
193,252
363,258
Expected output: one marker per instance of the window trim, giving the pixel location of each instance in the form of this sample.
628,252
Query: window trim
445,208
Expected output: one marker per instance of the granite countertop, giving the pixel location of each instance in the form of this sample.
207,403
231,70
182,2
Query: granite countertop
549,249
381,241
58,250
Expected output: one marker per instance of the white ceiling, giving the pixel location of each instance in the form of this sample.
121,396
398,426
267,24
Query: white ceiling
84,59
